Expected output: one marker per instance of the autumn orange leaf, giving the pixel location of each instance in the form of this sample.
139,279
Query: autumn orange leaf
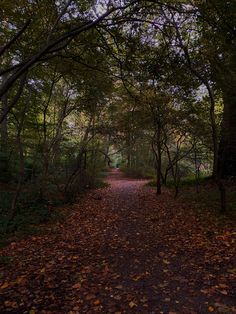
97,302
5,285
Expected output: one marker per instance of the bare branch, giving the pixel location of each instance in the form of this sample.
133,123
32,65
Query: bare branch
17,35
15,99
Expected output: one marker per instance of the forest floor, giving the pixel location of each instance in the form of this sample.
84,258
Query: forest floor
123,250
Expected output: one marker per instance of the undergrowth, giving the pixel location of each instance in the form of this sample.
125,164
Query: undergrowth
28,215
204,195
31,213
185,182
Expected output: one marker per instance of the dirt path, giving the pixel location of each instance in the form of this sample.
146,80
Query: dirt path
123,250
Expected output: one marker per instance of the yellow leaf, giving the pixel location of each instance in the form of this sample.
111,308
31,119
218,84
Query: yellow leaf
32,311
5,285
165,261
132,304
211,309
42,270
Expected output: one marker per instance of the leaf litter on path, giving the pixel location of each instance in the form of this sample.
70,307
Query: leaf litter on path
129,252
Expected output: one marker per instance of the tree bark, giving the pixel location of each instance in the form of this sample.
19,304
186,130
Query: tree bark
227,147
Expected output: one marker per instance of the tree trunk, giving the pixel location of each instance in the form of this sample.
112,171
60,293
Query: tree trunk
159,169
3,125
227,147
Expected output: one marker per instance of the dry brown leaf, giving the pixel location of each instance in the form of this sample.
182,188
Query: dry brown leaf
77,285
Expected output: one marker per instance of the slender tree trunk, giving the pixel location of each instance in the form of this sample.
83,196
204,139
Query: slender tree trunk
196,168
227,149
21,159
158,158
159,175
4,124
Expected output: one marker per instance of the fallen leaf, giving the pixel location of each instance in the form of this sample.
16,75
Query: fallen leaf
119,287
137,278
97,302
20,280
165,261
132,304
77,285
90,297
223,286
5,285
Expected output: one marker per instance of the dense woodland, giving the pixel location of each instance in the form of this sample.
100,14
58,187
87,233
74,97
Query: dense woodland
117,156
146,86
